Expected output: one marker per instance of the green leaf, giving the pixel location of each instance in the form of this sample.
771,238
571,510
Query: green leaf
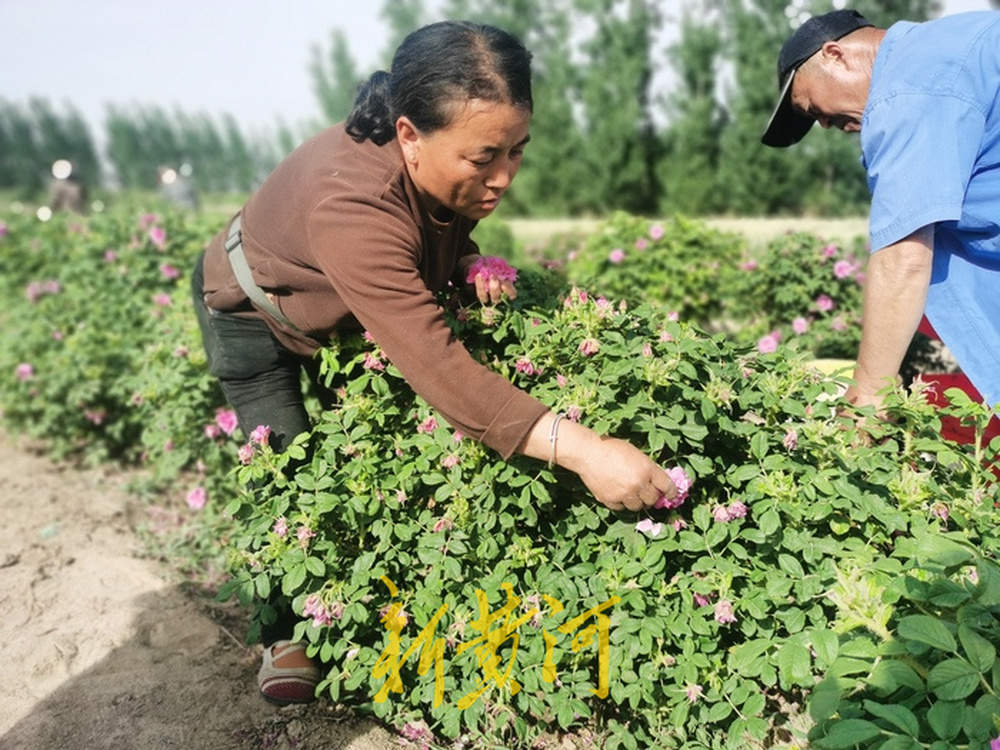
745,658
791,566
824,700
946,718
927,629
742,474
953,679
793,664
315,566
769,522
980,652
899,716
899,742
826,644
943,551
889,674
262,583
294,578
847,733
758,444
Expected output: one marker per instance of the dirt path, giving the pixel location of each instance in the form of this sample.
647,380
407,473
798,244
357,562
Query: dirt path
102,650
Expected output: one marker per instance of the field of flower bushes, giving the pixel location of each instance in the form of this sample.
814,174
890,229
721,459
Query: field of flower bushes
824,584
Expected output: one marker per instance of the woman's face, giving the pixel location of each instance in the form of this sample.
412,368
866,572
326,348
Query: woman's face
467,166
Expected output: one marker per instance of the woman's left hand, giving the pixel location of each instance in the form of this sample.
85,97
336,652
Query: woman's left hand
490,289
493,277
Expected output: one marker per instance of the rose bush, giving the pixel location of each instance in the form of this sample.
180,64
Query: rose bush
726,610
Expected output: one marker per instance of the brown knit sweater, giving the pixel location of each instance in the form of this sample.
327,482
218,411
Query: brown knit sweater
339,238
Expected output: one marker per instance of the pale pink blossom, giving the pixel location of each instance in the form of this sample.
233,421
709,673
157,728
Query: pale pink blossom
590,347
749,265
724,612
24,371
427,426
721,514
304,534
693,692
442,524
700,600
677,522
169,272
400,497
212,431
838,323
168,445
665,337
573,413
617,255
110,256
800,325
824,303
452,459
373,362
226,420
162,299
641,244
246,453
457,437
843,268
829,251
147,220
260,435
647,526
524,365
490,266
572,255
4,231
196,498
737,509
647,350
561,381
656,231
769,343
280,527
158,237
673,316
940,510
367,336
791,439
682,482
181,351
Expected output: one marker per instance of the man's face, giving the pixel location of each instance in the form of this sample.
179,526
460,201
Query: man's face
831,92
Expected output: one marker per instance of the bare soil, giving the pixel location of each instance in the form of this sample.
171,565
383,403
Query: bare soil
105,649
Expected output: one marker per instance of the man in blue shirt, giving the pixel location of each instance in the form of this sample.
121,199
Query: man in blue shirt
926,100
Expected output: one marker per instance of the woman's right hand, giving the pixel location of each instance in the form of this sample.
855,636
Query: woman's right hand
618,474
622,477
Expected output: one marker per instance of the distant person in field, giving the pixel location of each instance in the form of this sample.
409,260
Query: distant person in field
176,187
357,229
66,193
925,98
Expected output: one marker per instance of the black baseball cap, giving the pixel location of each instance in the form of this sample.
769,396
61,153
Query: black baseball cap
787,126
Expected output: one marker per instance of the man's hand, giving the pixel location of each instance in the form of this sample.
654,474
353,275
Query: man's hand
493,277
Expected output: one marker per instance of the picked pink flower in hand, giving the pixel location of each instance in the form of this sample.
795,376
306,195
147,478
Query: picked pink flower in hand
490,266
683,484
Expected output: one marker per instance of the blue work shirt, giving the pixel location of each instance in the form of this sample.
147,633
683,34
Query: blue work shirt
930,141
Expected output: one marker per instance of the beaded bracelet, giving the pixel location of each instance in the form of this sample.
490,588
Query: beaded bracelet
553,435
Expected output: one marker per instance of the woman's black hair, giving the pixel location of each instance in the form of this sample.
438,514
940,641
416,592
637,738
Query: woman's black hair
435,66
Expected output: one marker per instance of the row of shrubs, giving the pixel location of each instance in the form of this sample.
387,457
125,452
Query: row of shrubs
820,579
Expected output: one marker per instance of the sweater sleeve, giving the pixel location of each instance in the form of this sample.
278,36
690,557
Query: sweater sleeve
370,255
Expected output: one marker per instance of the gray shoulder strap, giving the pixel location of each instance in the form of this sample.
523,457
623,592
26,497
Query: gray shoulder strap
241,269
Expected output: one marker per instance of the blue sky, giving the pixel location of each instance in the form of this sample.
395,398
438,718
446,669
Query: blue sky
247,57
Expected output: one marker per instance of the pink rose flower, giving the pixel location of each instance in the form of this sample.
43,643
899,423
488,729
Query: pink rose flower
168,271
721,514
400,497
791,439
427,426
617,255
647,350
700,600
442,524
457,437
683,484
940,510
737,509
110,256
367,336
749,265
693,692
304,534
724,612
226,420
573,413
280,527
656,231
641,244
590,347
212,431
246,453
450,460
490,266
824,303
260,435
4,231
524,365
561,381
196,498
158,236
829,251
842,269
373,362
162,299
800,325
647,526
769,343
24,371
838,323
